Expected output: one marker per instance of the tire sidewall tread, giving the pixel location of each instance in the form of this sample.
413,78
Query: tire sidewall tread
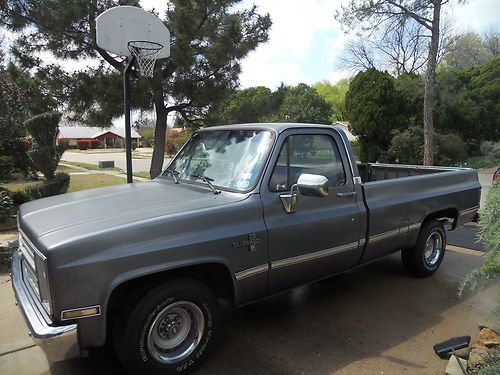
420,266
132,344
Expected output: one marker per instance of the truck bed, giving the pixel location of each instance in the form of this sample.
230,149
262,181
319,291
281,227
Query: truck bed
370,172
399,197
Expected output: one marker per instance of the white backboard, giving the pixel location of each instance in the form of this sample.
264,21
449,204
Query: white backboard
119,25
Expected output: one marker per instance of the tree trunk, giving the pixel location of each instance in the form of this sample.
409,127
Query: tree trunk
160,132
429,86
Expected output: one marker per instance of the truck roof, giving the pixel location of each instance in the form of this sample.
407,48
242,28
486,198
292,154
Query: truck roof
277,127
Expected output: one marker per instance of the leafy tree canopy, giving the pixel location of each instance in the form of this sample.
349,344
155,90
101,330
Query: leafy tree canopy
209,39
45,153
373,107
468,103
244,106
335,96
299,103
303,104
471,50
13,112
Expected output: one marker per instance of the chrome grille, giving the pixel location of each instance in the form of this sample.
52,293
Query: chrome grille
29,264
30,278
27,252
34,271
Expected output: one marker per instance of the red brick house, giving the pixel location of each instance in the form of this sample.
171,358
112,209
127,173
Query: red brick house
106,138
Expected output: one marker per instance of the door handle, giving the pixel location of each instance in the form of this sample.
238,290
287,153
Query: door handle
347,194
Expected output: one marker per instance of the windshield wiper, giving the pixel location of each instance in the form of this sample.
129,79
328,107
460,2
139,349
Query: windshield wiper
174,175
207,180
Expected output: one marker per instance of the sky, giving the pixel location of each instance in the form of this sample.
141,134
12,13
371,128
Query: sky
305,41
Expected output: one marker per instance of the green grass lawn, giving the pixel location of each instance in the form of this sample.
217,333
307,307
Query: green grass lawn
141,174
480,162
90,181
18,185
90,166
77,182
66,169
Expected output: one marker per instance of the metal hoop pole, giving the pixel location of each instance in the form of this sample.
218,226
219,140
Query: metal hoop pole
126,108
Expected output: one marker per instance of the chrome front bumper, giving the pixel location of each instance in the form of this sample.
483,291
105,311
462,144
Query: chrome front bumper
58,343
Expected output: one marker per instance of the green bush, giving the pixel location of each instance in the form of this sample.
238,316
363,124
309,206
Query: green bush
6,167
6,205
19,197
491,149
45,153
407,147
489,235
83,144
176,140
449,149
491,366
479,162
58,185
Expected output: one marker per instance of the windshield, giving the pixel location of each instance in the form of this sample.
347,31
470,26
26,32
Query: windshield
229,159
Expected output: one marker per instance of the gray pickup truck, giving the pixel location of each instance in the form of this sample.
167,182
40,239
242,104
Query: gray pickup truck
241,212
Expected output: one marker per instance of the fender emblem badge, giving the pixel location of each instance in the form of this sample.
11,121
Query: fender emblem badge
252,243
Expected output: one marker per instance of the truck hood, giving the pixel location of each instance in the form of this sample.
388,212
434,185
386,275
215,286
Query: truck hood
96,210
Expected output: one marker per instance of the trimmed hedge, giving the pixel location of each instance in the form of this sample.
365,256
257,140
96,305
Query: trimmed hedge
83,144
19,197
58,185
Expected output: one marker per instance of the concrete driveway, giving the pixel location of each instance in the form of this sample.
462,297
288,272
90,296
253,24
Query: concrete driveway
374,320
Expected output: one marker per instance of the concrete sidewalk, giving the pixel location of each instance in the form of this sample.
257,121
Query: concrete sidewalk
138,165
374,320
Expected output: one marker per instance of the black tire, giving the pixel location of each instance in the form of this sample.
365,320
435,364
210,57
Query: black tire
415,259
155,316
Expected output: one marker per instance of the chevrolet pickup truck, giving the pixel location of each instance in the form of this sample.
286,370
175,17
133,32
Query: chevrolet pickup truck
240,213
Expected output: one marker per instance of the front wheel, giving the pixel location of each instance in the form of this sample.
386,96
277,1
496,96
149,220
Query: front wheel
169,330
426,256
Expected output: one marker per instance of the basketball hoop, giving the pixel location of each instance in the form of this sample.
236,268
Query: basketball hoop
146,54
135,34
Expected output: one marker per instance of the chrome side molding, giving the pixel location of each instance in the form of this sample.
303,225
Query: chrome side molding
251,272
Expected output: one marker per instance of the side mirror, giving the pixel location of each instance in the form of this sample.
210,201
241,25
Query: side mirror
313,185
309,185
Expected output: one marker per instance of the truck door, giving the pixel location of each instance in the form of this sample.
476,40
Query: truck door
326,234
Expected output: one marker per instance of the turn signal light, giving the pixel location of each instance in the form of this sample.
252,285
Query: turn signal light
81,313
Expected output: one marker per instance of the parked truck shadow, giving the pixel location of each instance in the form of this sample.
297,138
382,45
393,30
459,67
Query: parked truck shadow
325,326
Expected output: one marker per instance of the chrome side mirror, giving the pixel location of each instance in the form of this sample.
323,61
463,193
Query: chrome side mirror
308,185
313,185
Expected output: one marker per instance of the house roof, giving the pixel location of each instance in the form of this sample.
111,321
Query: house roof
88,132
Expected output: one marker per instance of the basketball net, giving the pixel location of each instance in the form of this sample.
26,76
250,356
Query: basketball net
145,53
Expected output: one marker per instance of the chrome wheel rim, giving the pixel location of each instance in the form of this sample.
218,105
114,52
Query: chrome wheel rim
433,248
176,332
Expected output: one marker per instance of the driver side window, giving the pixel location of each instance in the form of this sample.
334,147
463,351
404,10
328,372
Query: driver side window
308,153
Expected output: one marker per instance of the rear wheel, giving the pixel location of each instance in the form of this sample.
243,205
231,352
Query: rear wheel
169,330
426,256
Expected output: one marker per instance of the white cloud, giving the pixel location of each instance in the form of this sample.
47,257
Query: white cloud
305,41
479,16
292,51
